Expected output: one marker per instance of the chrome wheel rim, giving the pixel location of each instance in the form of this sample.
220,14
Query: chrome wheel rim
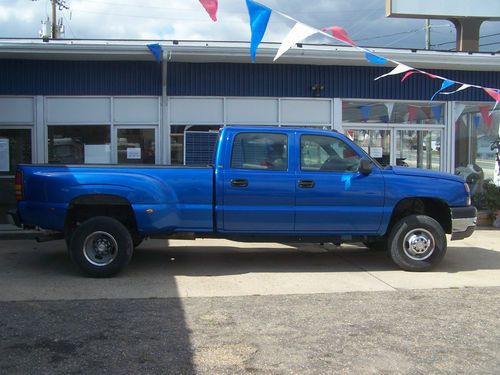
100,248
419,244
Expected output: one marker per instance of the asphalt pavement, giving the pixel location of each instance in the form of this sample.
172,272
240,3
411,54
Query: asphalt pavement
223,307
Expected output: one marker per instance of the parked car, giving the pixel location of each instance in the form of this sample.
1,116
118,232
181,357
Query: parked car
267,184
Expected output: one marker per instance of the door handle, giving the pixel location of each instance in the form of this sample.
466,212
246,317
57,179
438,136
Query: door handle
239,183
306,184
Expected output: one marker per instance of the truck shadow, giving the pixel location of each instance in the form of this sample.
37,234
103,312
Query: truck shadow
228,260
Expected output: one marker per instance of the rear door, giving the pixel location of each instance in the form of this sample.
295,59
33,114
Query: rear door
331,196
259,189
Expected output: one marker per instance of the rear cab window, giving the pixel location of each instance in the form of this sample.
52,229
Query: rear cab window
260,151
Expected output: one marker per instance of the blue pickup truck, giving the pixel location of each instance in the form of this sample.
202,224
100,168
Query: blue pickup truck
267,184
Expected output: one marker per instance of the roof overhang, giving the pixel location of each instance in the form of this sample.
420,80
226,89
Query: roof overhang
238,52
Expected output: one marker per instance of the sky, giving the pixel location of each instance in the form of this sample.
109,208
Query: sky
364,20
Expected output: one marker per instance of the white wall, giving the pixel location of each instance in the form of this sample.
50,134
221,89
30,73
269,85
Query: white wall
17,111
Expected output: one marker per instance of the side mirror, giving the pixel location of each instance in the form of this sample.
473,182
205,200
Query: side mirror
365,166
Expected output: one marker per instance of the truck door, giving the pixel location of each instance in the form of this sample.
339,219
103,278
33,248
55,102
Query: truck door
331,196
259,189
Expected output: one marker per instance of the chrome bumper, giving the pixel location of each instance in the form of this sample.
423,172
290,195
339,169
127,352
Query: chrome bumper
463,222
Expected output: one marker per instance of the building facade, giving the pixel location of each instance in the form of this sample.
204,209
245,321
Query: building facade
109,102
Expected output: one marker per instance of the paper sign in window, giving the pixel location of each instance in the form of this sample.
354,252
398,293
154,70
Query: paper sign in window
133,153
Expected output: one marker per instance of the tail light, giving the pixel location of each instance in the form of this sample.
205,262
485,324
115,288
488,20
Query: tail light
18,186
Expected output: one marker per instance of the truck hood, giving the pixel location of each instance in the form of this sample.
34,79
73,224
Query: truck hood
406,171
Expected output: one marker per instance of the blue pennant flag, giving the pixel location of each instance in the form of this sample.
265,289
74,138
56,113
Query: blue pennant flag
446,83
365,111
157,51
477,119
437,110
375,59
259,18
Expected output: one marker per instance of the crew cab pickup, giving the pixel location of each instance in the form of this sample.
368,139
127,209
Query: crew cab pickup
267,184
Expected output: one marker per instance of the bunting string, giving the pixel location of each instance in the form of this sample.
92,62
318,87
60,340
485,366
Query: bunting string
259,18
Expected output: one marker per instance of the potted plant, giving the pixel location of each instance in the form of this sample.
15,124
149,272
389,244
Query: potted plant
492,200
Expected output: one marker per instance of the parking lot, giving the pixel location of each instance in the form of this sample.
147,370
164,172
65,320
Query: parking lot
210,306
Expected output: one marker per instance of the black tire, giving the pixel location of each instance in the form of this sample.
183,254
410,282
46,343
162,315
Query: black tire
101,247
379,245
417,243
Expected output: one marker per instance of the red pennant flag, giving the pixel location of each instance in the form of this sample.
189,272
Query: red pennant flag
211,8
340,34
412,113
494,94
407,75
485,113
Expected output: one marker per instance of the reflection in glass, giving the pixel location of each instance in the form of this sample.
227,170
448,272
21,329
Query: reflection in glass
72,144
392,112
136,146
376,143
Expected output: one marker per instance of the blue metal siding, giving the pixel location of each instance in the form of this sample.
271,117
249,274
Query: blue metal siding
35,77
278,80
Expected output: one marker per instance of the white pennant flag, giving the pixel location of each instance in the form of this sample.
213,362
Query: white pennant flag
458,108
463,87
401,68
299,32
390,108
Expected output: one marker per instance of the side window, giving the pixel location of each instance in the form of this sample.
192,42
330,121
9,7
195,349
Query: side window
263,151
327,154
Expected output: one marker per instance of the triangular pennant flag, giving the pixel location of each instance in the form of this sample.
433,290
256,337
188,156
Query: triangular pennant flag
485,113
412,113
463,87
407,74
437,110
156,51
259,18
446,83
211,8
427,112
365,112
477,120
493,93
458,108
390,108
375,59
340,34
401,68
299,32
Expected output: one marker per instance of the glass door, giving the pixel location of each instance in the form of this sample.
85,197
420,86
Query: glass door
419,148
16,147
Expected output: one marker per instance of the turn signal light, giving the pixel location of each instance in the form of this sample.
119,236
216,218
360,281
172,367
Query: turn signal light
467,190
18,186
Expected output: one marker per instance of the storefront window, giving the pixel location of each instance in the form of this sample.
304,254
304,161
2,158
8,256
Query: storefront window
392,112
136,146
73,144
419,148
15,148
376,143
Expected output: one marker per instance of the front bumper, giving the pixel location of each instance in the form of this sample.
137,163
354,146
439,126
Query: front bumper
463,222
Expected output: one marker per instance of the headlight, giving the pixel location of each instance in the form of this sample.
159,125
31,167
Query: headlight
467,190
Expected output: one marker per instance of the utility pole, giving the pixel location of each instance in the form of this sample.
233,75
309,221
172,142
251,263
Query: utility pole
54,27
54,20
427,33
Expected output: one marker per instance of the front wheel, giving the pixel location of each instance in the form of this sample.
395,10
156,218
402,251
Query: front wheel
101,246
417,243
